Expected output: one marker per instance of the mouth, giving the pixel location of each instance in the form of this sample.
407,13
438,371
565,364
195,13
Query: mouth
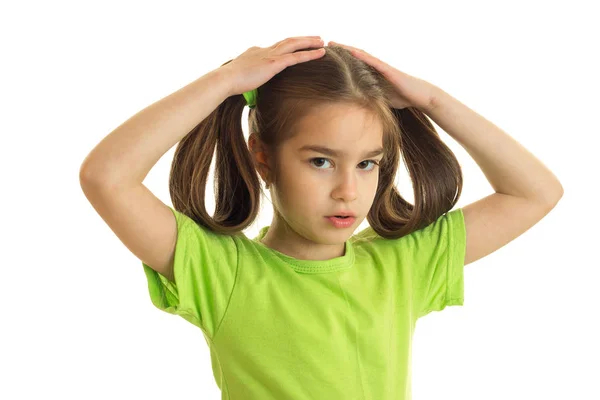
342,221
343,215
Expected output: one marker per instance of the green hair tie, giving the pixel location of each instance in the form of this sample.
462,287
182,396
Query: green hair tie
251,97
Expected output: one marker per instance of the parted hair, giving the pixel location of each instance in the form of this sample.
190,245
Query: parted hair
336,77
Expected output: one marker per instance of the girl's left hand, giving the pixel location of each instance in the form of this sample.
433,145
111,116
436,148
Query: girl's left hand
410,91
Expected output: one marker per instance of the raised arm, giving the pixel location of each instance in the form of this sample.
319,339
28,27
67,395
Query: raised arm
111,175
128,153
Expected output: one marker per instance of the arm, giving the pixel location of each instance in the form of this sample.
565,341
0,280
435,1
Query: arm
525,189
509,167
127,154
111,176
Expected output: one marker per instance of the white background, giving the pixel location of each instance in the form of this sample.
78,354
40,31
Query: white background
77,321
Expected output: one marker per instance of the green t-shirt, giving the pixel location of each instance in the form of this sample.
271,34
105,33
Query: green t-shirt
283,328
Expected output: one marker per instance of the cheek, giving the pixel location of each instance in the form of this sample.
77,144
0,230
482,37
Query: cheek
301,192
298,178
373,183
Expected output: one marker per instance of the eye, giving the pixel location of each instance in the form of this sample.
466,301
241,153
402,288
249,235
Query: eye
375,162
318,159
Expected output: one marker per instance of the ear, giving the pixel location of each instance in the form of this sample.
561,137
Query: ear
260,156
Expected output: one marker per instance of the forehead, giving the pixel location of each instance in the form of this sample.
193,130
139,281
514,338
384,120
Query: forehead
346,127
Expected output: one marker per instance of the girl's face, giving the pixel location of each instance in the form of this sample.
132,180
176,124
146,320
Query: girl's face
315,184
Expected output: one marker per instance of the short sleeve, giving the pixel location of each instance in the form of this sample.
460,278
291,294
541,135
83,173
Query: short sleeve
437,258
205,268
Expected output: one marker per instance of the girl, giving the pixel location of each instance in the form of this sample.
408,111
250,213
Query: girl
306,310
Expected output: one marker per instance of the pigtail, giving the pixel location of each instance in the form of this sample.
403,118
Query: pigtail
434,171
236,184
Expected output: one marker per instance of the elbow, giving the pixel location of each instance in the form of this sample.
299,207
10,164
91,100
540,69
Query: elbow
553,196
89,175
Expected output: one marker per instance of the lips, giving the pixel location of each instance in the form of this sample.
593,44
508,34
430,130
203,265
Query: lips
339,222
342,214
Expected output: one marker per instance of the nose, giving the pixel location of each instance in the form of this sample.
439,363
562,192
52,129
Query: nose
346,188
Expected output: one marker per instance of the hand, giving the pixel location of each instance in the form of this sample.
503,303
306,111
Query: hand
257,65
410,91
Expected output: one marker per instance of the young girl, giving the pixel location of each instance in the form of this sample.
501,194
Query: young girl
306,310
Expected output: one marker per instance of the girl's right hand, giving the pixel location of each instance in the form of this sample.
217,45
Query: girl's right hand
257,65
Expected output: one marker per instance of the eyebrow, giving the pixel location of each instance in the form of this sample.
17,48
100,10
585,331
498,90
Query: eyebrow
337,153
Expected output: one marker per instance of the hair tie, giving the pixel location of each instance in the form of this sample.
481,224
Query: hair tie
251,97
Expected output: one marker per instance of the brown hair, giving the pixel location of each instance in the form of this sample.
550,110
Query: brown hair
336,77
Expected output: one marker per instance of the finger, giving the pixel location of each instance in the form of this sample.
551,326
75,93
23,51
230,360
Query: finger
303,56
296,37
293,44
